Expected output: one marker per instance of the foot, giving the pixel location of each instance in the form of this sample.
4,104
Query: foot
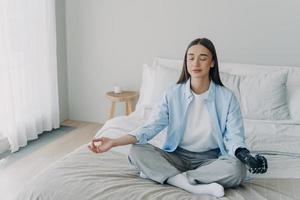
214,189
190,179
181,181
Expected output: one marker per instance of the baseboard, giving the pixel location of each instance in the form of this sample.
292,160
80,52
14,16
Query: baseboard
4,145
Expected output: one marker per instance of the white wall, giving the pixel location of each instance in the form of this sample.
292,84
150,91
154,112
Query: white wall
109,40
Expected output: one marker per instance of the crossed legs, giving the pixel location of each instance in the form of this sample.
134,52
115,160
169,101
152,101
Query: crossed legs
161,166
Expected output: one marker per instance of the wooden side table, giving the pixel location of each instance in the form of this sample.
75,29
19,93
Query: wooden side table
125,96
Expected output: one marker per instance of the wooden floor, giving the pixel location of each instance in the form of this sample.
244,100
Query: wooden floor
18,168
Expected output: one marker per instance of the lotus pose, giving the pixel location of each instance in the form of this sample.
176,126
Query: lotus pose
205,149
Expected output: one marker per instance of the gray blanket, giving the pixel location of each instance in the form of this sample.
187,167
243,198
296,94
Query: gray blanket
84,175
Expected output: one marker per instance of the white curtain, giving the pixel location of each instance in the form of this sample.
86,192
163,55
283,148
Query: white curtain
28,70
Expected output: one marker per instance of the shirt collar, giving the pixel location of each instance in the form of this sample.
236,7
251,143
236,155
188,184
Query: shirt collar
209,96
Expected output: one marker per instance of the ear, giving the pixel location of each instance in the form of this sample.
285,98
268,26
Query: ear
212,64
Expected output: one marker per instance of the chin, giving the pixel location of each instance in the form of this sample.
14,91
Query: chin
199,75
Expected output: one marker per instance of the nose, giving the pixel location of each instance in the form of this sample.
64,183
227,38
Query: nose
195,63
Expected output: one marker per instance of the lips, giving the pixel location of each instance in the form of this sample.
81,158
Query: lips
198,70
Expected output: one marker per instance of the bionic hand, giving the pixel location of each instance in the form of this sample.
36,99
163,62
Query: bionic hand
255,165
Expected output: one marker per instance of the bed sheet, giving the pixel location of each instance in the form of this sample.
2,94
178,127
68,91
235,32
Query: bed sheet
86,175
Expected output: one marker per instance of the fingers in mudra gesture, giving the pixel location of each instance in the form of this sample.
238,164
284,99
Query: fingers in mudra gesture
256,164
100,145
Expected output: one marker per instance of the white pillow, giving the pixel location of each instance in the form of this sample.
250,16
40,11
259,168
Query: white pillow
270,136
293,101
261,96
232,82
146,88
158,78
155,81
149,77
164,78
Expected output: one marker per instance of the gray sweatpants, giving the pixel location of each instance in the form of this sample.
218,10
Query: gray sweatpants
204,167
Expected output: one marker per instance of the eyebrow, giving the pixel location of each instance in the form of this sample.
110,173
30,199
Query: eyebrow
202,54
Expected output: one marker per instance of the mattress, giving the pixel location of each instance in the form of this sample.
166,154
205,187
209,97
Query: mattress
83,174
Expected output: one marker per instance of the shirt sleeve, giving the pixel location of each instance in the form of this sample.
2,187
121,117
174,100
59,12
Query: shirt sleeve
234,136
158,120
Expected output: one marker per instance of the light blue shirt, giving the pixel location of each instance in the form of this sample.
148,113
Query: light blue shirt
171,112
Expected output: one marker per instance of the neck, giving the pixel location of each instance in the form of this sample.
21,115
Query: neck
200,85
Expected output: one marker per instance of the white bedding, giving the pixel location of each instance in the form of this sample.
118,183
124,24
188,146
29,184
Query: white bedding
89,176
267,136
86,175
261,137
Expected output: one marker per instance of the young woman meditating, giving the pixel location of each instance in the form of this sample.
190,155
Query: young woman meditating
205,149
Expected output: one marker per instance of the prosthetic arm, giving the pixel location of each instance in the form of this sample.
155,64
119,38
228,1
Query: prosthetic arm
255,165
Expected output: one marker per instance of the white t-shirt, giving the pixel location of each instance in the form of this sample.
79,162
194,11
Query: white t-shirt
198,135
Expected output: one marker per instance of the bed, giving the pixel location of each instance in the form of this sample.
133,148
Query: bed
85,175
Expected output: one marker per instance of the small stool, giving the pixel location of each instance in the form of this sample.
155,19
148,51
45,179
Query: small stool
125,96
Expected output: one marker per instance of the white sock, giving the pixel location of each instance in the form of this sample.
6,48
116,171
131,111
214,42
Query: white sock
181,181
190,179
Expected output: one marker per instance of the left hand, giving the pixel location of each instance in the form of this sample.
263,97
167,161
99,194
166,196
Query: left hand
257,164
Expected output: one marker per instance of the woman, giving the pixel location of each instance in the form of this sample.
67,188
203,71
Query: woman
205,149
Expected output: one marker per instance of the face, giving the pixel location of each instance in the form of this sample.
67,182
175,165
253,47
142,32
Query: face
199,61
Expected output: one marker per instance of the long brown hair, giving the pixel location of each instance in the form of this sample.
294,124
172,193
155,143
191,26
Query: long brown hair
213,72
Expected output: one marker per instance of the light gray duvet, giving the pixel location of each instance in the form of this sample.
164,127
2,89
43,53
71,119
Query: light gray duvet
84,175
